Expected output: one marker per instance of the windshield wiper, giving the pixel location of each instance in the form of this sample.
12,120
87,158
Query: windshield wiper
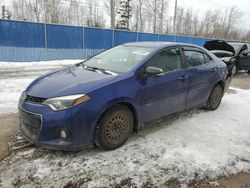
96,69
80,63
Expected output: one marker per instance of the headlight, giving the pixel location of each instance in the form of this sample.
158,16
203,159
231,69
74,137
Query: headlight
61,103
22,97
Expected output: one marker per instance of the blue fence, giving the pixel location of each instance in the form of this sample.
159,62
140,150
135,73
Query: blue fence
25,41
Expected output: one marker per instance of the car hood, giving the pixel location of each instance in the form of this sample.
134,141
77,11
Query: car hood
218,45
67,81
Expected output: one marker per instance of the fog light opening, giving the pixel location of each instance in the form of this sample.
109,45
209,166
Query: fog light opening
63,134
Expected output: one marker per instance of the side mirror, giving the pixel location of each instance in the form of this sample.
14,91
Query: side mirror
244,48
153,72
245,52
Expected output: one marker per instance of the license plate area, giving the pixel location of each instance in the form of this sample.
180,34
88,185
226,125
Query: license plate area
30,124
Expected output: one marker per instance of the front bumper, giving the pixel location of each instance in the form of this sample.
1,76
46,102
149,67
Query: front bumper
42,126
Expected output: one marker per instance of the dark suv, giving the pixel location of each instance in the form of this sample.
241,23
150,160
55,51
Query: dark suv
235,55
242,55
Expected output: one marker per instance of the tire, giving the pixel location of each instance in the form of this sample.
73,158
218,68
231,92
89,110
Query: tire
114,128
248,71
215,97
234,71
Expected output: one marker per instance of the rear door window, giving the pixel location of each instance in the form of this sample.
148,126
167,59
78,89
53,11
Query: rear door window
195,57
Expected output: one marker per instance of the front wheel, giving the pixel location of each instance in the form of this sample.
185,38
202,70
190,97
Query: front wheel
215,97
114,128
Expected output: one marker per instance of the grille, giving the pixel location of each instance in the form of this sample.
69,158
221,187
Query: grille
30,124
34,99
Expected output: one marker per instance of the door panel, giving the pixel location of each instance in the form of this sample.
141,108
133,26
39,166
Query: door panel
164,95
200,72
199,79
245,61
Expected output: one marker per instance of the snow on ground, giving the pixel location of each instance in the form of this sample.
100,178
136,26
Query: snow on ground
196,144
16,76
10,92
36,64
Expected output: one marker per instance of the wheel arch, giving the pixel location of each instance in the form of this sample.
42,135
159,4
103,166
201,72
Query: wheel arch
221,83
122,102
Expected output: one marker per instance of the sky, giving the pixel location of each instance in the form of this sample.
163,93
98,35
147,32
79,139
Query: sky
200,6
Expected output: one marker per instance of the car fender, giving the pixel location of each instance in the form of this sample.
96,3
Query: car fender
137,110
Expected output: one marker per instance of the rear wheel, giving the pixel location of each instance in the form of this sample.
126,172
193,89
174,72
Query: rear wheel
234,70
215,97
248,71
114,128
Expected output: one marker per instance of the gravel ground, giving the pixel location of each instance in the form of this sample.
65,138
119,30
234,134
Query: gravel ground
9,128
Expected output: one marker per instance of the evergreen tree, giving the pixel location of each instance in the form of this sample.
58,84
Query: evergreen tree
5,13
125,14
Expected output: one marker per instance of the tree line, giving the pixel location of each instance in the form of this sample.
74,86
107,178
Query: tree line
135,15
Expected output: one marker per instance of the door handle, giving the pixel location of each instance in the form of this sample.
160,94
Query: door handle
183,77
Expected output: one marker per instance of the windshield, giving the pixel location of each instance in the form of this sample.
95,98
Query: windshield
120,59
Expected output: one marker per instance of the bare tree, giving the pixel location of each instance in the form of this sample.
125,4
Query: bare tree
215,23
247,36
179,21
53,11
138,20
162,11
107,6
234,17
147,16
20,10
35,10
94,19
140,10
154,5
36,7
150,15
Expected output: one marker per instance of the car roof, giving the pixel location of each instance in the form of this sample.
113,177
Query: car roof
158,44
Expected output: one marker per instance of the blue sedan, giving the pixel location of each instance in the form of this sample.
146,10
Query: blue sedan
102,100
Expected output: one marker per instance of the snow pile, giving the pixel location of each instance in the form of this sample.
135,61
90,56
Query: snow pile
16,76
36,64
196,144
10,93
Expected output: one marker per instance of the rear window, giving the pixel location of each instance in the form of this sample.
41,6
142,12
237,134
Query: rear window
195,57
